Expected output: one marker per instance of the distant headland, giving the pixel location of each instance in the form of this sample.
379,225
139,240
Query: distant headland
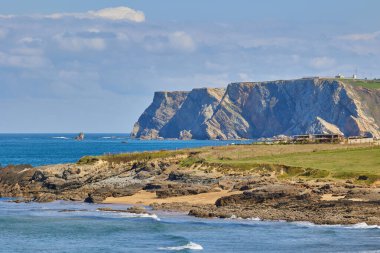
246,110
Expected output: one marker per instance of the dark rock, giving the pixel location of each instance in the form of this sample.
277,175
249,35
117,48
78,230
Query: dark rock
137,210
38,176
152,186
181,190
93,198
200,213
45,197
133,209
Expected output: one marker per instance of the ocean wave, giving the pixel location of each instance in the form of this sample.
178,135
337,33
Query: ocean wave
106,137
254,219
364,225
234,217
189,246
361,225
140,215
60,137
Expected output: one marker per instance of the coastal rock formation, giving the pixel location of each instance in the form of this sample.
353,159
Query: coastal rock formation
163,108
265,109
267,191
198,108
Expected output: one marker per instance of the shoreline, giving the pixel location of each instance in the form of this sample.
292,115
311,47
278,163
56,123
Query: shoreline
202,206
154,215
271,182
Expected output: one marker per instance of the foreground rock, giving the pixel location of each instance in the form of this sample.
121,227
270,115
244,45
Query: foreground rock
260,193
133,209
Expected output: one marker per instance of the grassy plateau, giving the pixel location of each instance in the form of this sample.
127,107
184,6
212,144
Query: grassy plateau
333,161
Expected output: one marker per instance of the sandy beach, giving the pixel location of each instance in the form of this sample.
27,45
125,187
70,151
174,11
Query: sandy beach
148,198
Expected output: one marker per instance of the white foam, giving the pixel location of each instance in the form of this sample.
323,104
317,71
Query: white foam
140,215
189,246
234,217
106,137
254,219
60,137
361,225
364,225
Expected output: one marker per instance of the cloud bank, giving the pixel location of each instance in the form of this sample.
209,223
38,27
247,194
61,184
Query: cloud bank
106,64
121,13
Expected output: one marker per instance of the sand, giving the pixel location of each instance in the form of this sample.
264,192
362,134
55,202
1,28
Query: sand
330,197
147,198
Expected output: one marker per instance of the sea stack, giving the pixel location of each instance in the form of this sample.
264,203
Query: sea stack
80,137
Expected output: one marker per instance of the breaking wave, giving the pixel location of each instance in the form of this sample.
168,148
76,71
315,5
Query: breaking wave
361,225
234,217
364,225
189,246
140,215
60,137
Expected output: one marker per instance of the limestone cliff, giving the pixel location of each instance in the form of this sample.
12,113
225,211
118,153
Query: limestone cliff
265,109
162,109
197,109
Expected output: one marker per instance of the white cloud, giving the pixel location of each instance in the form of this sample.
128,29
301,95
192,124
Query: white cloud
360,36
119,13
76,43
166,42
22,60
6,16
322,62
115,14
182,41
30,41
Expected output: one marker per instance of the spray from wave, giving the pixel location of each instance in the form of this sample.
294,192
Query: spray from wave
142,215
361,225
189,246
364,225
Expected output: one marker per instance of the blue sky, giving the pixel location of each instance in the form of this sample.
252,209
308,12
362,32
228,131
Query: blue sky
69,66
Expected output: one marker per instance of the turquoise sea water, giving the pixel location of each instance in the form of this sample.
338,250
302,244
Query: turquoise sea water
34,227
43,227
42,149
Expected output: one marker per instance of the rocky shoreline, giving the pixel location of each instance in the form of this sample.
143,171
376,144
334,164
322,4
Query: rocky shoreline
260,193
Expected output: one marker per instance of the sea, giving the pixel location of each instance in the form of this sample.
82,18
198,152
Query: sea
63,226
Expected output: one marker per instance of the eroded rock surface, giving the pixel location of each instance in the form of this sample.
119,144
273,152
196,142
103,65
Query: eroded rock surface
257,194
265,109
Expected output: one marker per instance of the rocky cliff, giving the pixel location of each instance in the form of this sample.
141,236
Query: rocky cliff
264,109
163,108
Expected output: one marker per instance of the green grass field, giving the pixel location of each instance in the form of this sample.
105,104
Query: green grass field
334,161
340,163
370,84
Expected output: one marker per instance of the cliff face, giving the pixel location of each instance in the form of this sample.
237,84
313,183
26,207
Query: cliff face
163,108
265,109
197,109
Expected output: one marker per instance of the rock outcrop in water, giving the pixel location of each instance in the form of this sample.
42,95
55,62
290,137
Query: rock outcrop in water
263,109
